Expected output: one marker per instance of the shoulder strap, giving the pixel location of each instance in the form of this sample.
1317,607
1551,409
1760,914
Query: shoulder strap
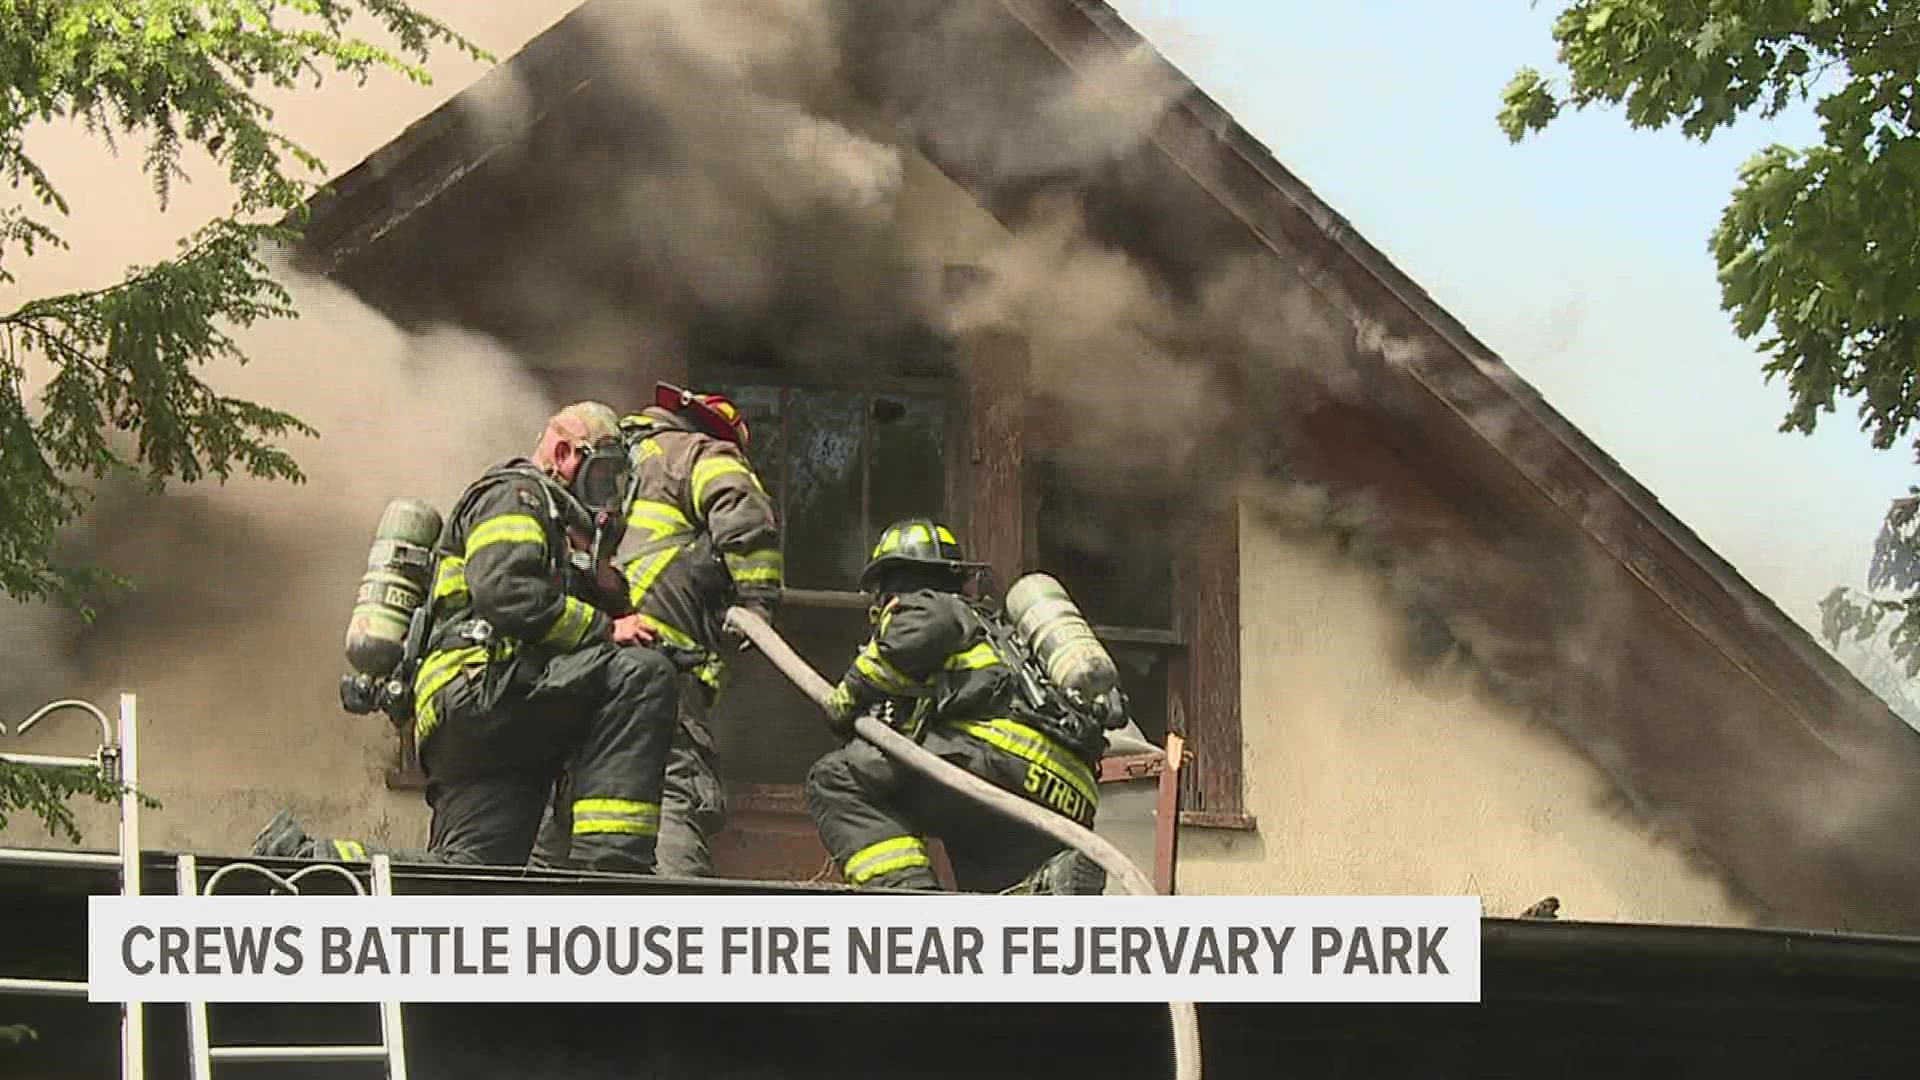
500,473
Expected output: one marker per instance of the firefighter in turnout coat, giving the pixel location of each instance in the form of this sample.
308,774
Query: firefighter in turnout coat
524,676
701,535
933,670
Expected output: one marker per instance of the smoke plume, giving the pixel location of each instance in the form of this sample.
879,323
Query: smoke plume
730,181
232,633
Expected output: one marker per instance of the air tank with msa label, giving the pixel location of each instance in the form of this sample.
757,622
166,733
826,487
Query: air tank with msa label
394,586
1060,637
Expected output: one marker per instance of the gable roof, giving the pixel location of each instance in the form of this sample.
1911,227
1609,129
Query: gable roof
434,154
1461,376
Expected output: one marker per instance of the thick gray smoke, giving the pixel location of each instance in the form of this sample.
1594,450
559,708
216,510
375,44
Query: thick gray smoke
731,180
232,633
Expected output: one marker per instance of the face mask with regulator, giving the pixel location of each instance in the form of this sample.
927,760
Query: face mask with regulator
599,491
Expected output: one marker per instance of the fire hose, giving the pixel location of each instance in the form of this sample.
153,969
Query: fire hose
1120,869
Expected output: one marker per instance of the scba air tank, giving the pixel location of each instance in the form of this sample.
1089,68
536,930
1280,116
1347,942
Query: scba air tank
1060,637
394,586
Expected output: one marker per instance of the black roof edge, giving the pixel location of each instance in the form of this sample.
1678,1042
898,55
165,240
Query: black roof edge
1692,950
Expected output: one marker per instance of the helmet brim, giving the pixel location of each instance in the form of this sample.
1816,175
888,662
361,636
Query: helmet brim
869,576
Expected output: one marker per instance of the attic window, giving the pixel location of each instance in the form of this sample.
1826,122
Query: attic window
1115,557
840,464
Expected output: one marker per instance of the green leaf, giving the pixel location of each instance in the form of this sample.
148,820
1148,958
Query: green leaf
128,357
1817,250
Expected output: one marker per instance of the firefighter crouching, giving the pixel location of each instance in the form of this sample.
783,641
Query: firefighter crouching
938,663
523,676
701,535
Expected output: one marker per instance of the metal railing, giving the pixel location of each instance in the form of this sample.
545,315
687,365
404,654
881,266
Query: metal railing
116,761
392,1047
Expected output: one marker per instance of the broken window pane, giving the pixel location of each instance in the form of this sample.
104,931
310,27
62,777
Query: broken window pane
908,480
826,539
840,465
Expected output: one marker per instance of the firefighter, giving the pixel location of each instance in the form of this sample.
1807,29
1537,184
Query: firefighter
524,676
932,669
701,535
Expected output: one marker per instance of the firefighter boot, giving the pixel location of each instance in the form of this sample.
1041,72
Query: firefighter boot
285,838
1068,873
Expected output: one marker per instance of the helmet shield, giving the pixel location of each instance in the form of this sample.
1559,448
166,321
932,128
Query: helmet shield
916,543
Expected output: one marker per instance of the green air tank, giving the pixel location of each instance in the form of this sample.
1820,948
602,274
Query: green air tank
394,586
1060,637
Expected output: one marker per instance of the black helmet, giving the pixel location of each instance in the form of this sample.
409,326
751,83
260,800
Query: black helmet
916,543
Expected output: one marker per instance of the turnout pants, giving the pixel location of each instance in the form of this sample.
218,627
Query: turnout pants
874,816
603,714
693,806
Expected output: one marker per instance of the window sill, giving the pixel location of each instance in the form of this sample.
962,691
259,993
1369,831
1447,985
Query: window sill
826,598
1123,768
406,780
1229,820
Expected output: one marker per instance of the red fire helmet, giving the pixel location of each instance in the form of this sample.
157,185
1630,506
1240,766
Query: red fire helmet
714,414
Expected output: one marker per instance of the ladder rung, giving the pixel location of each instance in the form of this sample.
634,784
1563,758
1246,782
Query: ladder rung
43,987
50,761
298,1053
49,857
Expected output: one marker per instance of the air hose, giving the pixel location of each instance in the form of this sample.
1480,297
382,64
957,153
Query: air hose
1120,869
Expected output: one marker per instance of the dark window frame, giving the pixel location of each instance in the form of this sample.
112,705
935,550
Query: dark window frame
926,388
1202,647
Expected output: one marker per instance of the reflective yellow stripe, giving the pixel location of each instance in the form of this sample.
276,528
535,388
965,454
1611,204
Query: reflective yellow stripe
642,573
571,627
713,468
451,579
615,806
657,519
921,710
631,828
980,656
766,566
506,529
436,672
897,853
947,537
615,816
840,702
1029,745
349,849
673,634
875,668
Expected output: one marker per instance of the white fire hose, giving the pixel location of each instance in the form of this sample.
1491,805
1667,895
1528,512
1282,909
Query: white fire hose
1119,868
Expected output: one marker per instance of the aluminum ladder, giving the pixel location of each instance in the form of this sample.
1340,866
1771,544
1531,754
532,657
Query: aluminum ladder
116,759
392,1047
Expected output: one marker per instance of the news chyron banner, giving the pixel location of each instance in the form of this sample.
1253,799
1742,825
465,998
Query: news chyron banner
781,948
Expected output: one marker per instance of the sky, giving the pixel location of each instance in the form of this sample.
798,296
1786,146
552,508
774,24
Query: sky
1579,256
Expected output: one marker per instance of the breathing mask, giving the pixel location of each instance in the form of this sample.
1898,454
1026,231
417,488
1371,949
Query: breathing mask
601,486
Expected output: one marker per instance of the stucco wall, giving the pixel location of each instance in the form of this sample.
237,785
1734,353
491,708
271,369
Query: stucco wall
1365,780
